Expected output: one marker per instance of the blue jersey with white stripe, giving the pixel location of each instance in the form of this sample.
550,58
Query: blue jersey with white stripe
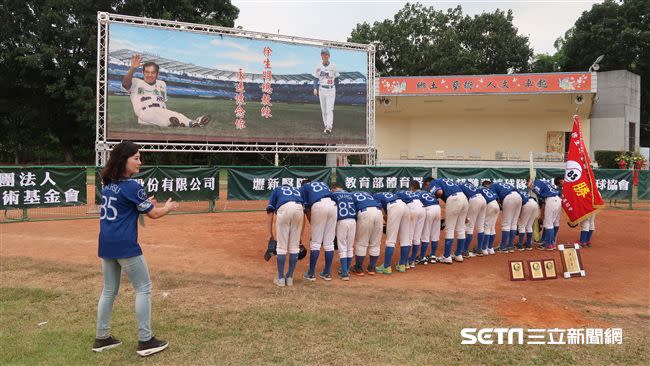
345,206
427,198
545,189
447,186
282,195
312,192
407,196
488,194
385,198
364,200
502,189
122,202
469,189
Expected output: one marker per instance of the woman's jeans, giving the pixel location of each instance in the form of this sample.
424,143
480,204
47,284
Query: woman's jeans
138,273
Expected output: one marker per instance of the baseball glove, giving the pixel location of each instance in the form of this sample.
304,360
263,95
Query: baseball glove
302,253
270,250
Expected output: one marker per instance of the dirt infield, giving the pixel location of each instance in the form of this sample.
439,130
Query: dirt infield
231,244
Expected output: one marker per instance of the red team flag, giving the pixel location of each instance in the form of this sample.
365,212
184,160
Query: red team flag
580,196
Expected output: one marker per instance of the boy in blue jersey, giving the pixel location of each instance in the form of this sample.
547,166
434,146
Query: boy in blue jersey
475,215
511,206
418,214
552,206
369,230
346,226
455,215
123,200
486,245
431,229
529,212
287,205
321,212
397,219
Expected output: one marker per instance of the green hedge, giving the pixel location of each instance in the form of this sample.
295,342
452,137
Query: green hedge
605,158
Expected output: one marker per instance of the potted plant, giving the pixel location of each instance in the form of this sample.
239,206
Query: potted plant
637,160
621,160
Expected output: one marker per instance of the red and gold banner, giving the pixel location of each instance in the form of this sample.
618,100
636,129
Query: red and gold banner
580,196
490,84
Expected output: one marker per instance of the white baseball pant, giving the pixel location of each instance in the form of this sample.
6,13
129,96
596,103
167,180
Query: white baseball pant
345,230
416,225
511,207
491,216
455,215
529,212
476,214
288,225
552,208
327,97
398,222
160,117
431,230
589,224
323,224
369,229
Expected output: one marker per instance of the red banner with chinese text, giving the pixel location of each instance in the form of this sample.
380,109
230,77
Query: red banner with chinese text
580,196
481,84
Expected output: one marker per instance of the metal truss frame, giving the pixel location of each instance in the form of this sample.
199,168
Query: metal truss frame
104,146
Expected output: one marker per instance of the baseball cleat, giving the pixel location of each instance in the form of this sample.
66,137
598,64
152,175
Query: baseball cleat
357,271
289,281
371,271
445,260
432,259
469,255
201,121
325,276
411,264
550,247
279,281
457,258
384,270
174,122
490,251
503,250
309,277
401,268
344,277
511,249
484,252
529,247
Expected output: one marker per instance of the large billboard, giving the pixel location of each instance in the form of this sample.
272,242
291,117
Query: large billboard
180,85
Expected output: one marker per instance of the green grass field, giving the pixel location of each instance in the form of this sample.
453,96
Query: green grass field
216,319
290,122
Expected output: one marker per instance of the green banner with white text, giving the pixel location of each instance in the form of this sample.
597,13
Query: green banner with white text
257,183
374,179
30,187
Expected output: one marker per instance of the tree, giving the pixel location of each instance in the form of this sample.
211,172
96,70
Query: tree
543,62
420,40
621,31
48,55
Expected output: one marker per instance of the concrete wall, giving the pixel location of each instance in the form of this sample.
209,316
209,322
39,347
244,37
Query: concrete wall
618,103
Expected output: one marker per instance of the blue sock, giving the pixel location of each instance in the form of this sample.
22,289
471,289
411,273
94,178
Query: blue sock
359,261
491,241
448,244
505,237
468,241
591,232
344,266
511,238
423,249
551,236
460,243
280,259
388,256
583,236
313,258
479,241
529,240
293,260
556,229
373,261
434,248
414,252
329,256
348,260
403,254
521,240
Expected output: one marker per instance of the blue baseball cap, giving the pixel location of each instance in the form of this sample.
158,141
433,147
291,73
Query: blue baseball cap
324,50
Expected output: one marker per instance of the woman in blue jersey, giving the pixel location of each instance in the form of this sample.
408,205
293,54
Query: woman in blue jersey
123,200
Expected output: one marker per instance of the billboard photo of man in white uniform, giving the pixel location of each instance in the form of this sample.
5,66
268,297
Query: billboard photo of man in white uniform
325,88
149,96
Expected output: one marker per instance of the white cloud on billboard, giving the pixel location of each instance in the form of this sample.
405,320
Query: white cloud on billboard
224,43
118,44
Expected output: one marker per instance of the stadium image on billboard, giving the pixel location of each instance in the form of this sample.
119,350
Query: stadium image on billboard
191,86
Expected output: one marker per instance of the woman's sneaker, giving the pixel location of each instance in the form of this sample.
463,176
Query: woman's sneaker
151,346
106,343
